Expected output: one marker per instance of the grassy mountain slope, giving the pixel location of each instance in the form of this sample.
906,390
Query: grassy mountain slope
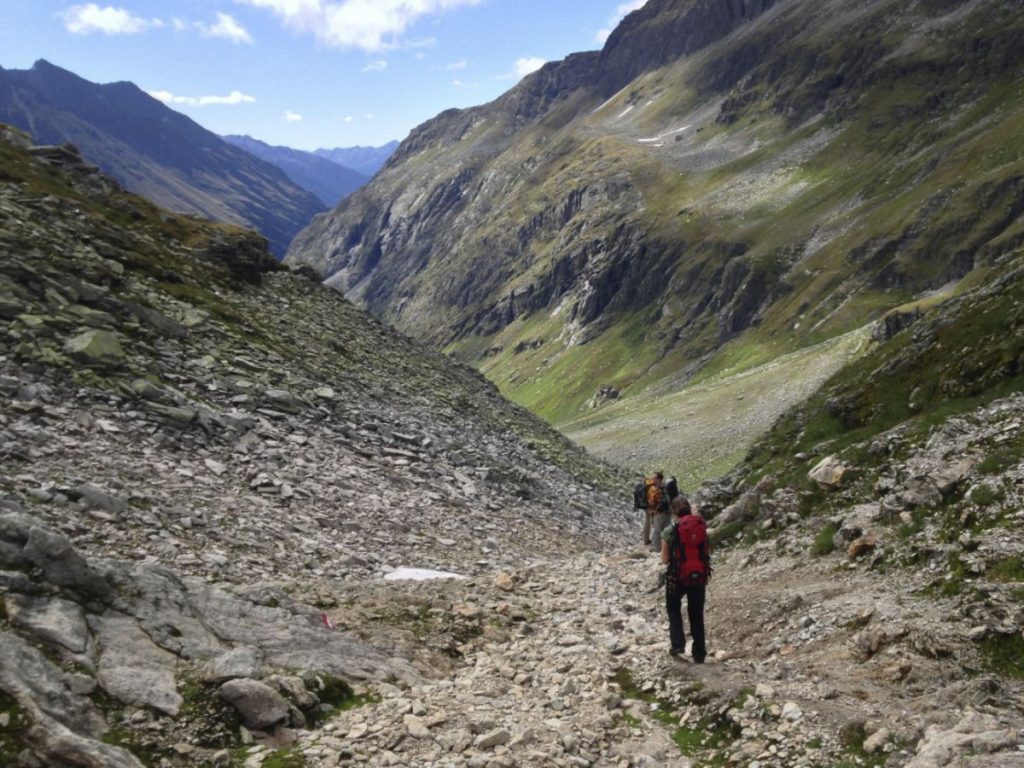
782,175
156,152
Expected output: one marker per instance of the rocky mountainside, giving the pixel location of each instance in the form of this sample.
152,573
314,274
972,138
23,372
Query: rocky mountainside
329,181
216,473
156,152
196,445
723,182
365,160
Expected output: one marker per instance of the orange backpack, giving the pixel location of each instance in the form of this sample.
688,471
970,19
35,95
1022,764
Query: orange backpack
655,495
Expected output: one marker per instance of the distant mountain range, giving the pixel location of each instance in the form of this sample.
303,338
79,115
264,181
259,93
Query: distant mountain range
156,152
366,160
326,178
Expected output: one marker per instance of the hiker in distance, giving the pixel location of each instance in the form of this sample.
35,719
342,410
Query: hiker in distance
687,553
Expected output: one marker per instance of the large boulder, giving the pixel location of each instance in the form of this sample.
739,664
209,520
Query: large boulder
829,472
96,349
259,705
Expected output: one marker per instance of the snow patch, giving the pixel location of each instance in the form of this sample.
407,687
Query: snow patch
625,112
420,574
609,101
661,137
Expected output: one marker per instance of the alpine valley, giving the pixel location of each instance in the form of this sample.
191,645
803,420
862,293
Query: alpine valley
723,185
775,244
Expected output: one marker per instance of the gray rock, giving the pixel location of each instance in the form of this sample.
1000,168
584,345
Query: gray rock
96,349
98,499
66,728
493,739
829,472
132,668
293,689
243,661
62,565
259,705
53,620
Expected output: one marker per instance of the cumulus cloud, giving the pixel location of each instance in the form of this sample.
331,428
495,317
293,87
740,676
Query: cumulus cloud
292,117
86,19
232,99
527,65
371,25
376,66
226,28
620,13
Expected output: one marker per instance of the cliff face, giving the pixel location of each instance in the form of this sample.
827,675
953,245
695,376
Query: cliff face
771,173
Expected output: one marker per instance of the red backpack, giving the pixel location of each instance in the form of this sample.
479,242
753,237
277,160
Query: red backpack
692,557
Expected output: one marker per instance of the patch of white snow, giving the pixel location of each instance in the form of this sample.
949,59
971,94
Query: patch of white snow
420,574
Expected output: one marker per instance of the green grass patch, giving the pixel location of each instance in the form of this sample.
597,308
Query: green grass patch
824,541
986,496
1004,654
12,734
147,749
708,737
290,758
918,518
1010,569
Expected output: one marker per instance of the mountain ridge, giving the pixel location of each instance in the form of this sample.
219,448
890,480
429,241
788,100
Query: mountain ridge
155,151
328,180
364,159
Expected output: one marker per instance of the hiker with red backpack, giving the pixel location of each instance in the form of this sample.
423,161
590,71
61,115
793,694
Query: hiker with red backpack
687,553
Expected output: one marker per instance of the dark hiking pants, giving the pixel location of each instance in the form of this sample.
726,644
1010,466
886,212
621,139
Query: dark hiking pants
694,612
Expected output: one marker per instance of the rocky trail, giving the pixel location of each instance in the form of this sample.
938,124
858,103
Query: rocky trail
807,667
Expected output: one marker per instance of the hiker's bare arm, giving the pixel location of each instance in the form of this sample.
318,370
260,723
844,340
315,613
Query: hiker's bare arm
664,552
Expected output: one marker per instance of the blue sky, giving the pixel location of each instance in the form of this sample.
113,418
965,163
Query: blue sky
307,73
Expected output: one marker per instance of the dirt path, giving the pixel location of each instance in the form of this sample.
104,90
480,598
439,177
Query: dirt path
566,664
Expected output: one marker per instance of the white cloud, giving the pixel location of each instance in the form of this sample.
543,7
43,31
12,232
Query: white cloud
292,117
376,66
527,65
180,25
370,116
371,25
456,65
620,13
232,99
347,119
226,28
457,83
85,19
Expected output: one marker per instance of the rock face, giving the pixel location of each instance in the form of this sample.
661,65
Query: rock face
156,151
640,187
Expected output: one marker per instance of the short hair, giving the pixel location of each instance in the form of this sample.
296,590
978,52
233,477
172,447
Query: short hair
681,506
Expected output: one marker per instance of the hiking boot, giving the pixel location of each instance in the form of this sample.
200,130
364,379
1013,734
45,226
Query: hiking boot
676,651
